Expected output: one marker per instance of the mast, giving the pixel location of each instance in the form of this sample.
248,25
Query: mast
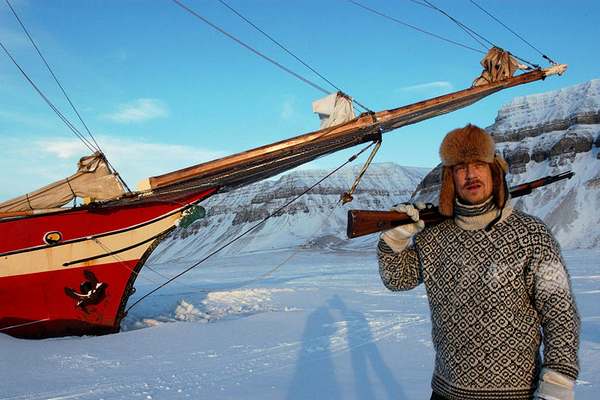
265,161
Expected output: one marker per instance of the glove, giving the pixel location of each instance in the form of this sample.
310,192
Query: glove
554,386
399,237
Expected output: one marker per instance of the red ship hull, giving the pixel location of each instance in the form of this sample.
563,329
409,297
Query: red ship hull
80,282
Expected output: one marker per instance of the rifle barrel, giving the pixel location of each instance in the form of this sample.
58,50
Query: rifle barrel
366,222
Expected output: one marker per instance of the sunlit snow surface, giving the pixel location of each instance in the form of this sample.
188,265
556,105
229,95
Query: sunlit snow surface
320,326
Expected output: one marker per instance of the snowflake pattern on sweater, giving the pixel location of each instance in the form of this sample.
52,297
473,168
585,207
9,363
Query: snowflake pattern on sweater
493,295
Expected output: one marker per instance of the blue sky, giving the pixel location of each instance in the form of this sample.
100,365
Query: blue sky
161,90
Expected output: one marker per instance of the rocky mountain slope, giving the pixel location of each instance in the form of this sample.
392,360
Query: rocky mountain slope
546,134
538,135
313,221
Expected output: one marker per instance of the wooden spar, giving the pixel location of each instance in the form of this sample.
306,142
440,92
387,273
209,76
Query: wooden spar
269,160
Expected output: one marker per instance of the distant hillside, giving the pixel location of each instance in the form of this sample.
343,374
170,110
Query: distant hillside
310,222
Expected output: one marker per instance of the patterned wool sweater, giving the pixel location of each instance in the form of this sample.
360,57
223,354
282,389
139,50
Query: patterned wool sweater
491,294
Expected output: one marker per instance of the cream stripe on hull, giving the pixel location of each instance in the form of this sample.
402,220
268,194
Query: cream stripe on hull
53,258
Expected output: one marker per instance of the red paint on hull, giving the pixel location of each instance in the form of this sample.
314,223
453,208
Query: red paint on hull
22,233
35,304
39,304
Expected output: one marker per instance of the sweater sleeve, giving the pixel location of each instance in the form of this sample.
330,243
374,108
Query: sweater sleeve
398,271
555,304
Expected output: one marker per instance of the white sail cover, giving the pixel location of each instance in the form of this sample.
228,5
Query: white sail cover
93,180
333,109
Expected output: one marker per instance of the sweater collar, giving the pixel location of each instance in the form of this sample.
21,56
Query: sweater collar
478,216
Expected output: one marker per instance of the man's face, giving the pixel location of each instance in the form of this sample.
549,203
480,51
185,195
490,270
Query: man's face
473,181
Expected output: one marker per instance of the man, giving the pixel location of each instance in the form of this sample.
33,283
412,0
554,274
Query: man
495,282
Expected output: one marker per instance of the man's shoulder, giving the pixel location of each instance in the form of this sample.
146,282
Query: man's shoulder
535,228
431,232
531,222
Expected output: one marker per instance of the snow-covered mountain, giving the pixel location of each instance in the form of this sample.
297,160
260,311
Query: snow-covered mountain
538,135
315,220
545,134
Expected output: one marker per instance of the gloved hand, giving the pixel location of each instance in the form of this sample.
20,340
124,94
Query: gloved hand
399,237
554,386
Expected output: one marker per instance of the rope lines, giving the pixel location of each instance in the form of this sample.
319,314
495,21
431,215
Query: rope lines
122,262
6,328
396,20
252,49
469,31
92,145
512,31
462,26
282,263
69,125
253,227
289,52
53,75
474,35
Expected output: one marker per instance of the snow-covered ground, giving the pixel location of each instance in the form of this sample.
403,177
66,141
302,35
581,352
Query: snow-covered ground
320,325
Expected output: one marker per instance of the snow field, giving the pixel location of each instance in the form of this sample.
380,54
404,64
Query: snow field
322,326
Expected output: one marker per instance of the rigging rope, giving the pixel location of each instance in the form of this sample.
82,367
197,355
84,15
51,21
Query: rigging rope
467,29
290,53
512,31
252,49
95,144
69,125
281,264
253,227
24,324
381,14
121,262
53,75
462,26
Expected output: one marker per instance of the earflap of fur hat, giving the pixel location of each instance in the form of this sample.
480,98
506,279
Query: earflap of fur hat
467,144
498,159
498,169
447,194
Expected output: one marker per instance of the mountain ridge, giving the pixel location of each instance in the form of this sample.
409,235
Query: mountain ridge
539,135
316,220
546,134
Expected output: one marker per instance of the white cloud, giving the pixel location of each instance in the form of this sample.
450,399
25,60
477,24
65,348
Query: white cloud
436,86
25,118
139,110
63,149
138,159
35,161
287,109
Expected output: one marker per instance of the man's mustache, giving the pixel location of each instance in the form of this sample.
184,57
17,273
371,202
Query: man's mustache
472,182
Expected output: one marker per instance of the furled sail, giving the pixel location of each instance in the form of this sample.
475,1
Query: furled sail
333,109
93,180
497,65
262,162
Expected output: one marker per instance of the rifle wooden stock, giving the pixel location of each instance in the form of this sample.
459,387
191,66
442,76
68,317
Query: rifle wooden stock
366,222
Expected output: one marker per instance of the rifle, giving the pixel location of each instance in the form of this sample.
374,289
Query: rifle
365,222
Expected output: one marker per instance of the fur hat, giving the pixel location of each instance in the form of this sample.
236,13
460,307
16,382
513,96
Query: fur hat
464,145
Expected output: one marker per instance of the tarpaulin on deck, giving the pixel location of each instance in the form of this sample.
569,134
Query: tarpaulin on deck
93,179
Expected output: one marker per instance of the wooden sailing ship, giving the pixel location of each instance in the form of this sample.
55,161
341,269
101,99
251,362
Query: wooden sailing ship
70,271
